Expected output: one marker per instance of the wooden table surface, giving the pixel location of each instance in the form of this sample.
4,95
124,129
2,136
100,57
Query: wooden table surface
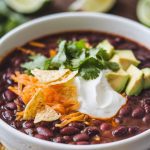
125,8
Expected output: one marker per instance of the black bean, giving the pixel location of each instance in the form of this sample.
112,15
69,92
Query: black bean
95,142
16,124
9,95
105,126
2,86
69,131
72,143
147,108
91,130
118,120
8,115
28,124
59,139
125,111
81,137
43,124
55,129
44,131
56,122
145,101
16,61
118,39
11,106
82,143
96,122
146,93
133,130
77,125
42,137
146,119
21,130
138,113
29,131
120,131
20,100
7,75
107,134
133,98
67,138
1,102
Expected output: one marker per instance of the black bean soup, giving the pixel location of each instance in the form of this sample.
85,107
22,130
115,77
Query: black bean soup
132,119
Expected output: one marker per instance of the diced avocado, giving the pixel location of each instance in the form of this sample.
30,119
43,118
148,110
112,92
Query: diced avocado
125,58
106,46
146,72
116,59
136,81
118,80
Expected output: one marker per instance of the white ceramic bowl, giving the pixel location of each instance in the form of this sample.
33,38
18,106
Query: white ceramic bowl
15,140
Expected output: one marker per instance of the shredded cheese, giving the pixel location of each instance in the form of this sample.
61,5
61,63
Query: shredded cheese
52,52
26,51
66,119
62,98
37,44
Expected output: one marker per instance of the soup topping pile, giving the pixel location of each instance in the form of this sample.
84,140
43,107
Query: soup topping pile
77,88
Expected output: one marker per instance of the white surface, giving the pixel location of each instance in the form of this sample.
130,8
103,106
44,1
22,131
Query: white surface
97,98
16,140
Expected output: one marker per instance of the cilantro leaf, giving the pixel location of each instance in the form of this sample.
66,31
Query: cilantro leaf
47,64
74,55
93,52
60,58
102,54
78,61
37,61
74,49
89,69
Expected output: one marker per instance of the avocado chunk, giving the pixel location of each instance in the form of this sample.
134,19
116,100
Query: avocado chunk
125,58
146,72
116,59
136,81
118,80
105,44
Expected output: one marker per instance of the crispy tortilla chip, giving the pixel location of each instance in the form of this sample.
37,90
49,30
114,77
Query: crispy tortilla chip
67,92
47,76
46,113
67,77
34,104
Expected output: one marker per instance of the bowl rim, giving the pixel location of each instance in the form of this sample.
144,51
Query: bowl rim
33,140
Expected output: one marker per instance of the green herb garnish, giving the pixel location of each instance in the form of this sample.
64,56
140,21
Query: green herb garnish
37,61
75,55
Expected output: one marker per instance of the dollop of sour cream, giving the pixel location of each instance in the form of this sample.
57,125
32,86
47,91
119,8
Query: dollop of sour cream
97,98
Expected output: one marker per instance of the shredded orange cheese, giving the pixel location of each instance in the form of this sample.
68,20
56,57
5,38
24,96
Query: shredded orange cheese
19,115
37,44
60,97
26,51
52,52
66,119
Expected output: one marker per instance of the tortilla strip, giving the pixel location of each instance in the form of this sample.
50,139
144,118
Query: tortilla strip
36,103
47,76
46,113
